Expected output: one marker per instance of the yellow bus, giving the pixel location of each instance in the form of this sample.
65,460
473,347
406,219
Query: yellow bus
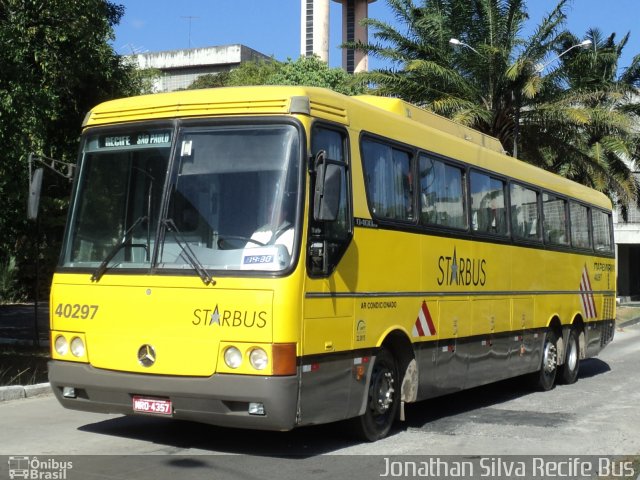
272,257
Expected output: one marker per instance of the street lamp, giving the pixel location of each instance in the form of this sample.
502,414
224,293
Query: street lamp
541,66
458,43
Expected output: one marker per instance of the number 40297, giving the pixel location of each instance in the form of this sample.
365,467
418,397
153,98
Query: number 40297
68,310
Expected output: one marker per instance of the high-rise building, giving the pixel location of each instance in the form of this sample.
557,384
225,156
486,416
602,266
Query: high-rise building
314,28
314,32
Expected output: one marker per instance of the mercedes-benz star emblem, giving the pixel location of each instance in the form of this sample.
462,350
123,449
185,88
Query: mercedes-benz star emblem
146,355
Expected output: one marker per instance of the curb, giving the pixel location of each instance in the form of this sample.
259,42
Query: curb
629,323
15,392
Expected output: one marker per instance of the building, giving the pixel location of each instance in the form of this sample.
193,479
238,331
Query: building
179,68
627,238
314,31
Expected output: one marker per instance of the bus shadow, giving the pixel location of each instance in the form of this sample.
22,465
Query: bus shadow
184,435
592,367
439,415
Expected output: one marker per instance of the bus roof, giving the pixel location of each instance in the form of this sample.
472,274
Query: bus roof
384,116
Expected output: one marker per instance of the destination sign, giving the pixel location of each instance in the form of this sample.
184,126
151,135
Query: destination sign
161,138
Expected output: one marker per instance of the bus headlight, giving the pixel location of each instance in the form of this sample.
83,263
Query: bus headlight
258,359
61,345
232,357
77,347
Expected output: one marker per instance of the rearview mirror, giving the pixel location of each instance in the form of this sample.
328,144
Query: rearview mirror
328,187
35,187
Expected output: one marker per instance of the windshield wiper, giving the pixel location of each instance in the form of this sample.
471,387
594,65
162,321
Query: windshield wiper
189,253
97,275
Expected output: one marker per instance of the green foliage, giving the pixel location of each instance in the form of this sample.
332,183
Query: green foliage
255,72
308,71
55,64
210,80
557,109
313,72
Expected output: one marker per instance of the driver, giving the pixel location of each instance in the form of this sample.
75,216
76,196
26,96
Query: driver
280,230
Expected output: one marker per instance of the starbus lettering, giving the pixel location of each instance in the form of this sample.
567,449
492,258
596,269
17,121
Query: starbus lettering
461,271
229,318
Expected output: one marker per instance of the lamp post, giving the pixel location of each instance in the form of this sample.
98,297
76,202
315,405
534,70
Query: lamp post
539,68
458,43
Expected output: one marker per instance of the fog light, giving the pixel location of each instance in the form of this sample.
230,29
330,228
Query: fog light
258,359
68,392
61,345
256,408
77,347
232,357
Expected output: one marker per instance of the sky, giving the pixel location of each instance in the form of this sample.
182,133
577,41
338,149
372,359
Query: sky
272,27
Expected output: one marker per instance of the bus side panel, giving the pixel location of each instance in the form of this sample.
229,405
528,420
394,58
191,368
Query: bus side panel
524,337
327,356
491,346
454,326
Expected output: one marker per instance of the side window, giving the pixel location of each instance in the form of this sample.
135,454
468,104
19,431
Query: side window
333,142
389,180
555,223
442,198
334,236
602,231
525,218
488,213
579,219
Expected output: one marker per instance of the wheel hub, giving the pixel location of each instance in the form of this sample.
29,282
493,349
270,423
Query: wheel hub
550,357
572,357
383,393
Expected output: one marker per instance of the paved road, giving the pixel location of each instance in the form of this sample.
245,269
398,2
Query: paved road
599,415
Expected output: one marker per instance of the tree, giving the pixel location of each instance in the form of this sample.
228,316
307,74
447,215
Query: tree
55,64
309,71
313,72
253,72
584,124
492,80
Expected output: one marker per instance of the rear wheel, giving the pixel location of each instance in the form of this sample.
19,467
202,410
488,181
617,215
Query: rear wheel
546,376
382,400
569,370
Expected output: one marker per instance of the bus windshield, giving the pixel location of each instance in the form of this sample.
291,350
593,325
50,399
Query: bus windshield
117,202
234,198
231,203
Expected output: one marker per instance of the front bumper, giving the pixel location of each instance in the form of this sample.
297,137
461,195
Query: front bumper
220,399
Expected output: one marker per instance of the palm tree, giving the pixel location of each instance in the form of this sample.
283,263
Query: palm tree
531,93
584,123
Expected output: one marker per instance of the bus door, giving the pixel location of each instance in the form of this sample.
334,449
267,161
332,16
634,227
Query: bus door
328,320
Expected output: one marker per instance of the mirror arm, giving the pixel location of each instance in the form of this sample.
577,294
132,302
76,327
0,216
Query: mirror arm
52,164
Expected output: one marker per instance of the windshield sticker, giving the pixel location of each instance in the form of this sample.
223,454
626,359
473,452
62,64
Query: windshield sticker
264,258
185,151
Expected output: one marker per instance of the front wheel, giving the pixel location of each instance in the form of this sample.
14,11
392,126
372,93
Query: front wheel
569,370
546,376
382,400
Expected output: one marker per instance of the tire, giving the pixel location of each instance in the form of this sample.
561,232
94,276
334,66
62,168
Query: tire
383,400
545,377
568,372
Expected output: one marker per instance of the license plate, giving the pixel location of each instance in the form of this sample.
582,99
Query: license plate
160,406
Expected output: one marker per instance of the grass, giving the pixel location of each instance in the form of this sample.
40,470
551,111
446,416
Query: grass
23,365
